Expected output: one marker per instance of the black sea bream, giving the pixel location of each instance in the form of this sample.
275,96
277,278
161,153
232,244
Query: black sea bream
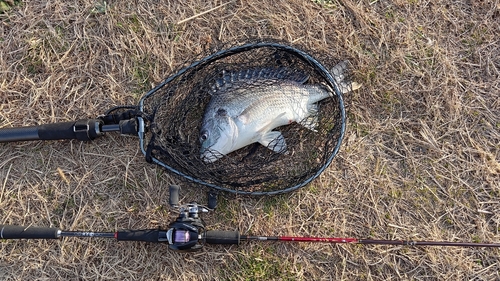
247,105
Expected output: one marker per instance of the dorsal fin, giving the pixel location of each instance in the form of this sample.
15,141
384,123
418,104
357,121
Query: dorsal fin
235,79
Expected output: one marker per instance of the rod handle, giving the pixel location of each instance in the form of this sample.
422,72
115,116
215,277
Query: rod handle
29,232
222,237
146,235
84,130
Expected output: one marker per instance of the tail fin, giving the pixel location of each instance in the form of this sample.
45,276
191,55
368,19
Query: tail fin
339,72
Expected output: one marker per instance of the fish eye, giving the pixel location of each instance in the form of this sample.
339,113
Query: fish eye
204,136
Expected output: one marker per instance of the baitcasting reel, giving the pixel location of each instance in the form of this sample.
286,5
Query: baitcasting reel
187,233
188,229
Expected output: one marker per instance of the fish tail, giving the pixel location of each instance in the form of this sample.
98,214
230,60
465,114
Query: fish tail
339,74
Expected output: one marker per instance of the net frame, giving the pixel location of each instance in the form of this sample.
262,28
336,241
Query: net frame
146,137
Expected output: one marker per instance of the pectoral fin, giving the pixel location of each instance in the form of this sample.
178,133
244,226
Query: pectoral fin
274,141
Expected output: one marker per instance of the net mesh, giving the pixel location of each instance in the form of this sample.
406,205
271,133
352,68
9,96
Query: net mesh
177,106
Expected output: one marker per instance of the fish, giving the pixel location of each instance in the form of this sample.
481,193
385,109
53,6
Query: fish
246,105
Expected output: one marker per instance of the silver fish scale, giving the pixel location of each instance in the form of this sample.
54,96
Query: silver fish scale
256,76
259,92
270,98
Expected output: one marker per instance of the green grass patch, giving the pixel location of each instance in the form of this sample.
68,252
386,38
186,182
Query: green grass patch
6,5
261,264
276,205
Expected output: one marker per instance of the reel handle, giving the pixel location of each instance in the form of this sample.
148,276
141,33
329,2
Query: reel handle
174,195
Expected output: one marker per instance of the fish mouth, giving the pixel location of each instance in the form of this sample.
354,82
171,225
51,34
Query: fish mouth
210,156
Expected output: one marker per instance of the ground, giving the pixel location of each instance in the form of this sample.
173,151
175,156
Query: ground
420,159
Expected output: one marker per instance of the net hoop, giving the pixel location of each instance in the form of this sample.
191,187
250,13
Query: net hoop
326,75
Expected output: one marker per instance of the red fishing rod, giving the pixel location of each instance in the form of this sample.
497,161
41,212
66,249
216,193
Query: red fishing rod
339,240
188,233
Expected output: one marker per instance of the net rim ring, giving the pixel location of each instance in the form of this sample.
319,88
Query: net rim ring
235,50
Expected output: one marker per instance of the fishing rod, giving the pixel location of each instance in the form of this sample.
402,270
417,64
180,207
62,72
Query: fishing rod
188,233
186,237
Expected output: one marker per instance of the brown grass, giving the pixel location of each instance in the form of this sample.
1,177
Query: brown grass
421,158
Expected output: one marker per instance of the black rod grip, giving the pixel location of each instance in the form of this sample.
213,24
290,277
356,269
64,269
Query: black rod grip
85,129
57,131
147,235
30,232
19,134
222,237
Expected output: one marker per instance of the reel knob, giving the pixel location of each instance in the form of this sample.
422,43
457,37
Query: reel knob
174,195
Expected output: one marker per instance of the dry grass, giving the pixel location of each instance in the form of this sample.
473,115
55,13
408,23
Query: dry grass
421,158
